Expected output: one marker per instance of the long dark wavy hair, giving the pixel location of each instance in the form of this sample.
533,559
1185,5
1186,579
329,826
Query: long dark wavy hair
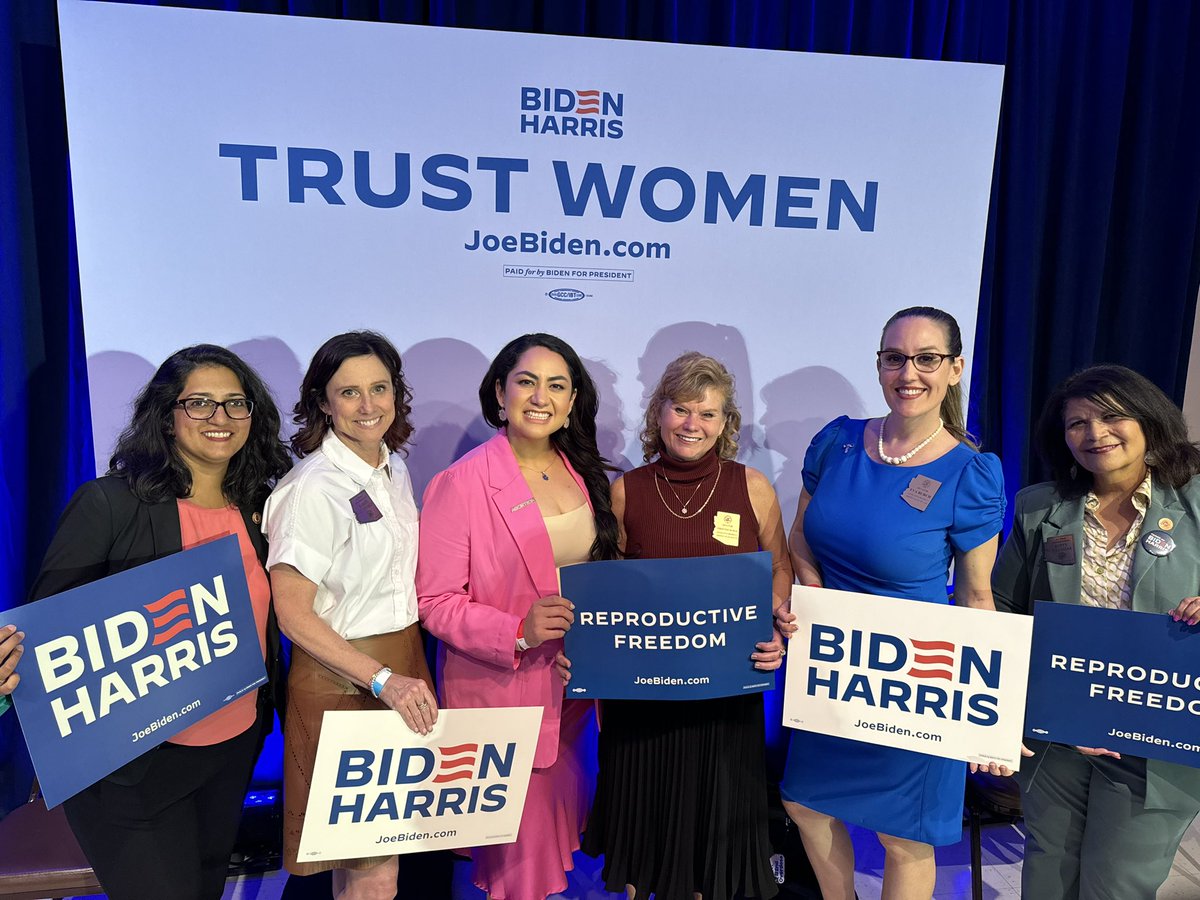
1174,459
145,455
952,404
325,362
577,441
684,381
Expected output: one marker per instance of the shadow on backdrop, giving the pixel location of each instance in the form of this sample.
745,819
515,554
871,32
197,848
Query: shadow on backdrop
114,379
279,366
610,419
795,407
444,375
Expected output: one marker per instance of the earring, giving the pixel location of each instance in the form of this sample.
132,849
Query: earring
328,420
566,422
1150,458
1073,471
502,415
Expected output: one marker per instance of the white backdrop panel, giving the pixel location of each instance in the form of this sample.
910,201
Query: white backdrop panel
172,252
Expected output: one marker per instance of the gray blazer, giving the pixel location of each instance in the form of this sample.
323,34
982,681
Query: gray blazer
1022,575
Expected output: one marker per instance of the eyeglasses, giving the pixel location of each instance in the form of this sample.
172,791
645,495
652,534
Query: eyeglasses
925,362
202,408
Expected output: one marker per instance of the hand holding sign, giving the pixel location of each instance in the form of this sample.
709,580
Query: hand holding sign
1188,611
10,653
412,698
549,618
769,655
562,666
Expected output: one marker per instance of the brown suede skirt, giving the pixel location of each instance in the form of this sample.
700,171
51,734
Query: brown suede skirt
312,691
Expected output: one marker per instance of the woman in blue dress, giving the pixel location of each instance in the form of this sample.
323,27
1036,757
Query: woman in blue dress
856,529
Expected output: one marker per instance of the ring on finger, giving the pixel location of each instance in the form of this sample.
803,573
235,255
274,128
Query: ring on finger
423,705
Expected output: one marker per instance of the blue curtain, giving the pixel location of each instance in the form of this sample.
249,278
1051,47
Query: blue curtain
1093,241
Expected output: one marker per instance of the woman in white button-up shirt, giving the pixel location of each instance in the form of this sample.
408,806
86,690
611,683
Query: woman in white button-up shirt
343,535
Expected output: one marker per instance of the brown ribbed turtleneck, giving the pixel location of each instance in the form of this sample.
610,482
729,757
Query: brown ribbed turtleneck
652,532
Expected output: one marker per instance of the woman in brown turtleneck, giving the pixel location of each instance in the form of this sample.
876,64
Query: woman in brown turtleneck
681,798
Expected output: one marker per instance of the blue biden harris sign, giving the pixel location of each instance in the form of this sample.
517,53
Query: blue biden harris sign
116,667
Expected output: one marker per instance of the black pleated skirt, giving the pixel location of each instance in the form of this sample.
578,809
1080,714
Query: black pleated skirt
681,799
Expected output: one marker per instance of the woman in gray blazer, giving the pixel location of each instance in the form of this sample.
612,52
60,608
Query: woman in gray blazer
1102,824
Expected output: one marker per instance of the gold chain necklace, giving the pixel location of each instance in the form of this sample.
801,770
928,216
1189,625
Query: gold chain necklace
702,505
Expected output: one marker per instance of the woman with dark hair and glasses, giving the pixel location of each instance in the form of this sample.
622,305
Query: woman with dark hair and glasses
859,528
196,462
495,526
1099,823
343,529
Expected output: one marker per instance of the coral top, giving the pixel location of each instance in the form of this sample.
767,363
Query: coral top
198,525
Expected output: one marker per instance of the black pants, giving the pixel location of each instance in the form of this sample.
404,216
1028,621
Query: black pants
170,833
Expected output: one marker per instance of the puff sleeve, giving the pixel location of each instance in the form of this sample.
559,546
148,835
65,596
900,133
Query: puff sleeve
978,503
818,449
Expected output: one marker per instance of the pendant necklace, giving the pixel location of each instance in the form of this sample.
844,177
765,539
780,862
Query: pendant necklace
684,506
542,472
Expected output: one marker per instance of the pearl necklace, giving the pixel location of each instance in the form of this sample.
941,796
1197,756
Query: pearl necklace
901,460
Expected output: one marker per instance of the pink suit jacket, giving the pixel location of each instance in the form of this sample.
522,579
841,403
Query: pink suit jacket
485,557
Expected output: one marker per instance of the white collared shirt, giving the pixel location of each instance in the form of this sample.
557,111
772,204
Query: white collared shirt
363,570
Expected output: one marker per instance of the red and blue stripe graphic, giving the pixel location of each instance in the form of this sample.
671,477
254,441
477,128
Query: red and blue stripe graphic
457,762
587,103
170,615
932,659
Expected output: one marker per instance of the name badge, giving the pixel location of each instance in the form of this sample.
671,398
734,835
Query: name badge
727,528
920,491
1060,549
365,510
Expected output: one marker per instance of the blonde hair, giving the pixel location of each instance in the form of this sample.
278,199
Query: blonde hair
685,380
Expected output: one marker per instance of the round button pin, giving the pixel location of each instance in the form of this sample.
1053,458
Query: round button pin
1158,543
1165,524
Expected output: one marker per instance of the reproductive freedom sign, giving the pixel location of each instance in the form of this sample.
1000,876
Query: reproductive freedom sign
379,788
937,679
668,629
115,667
1125,681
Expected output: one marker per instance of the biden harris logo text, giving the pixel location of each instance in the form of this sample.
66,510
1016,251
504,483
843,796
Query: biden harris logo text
134,652
931,677
587,113
411,782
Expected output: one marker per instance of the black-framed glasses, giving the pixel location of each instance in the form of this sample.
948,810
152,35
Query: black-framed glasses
925,362
202,408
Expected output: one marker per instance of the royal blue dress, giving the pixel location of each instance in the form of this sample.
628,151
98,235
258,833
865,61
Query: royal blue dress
866,538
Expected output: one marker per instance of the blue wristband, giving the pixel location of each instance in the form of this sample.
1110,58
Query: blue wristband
378,680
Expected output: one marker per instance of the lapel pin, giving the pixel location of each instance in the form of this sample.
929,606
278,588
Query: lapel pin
1165,524
1158,543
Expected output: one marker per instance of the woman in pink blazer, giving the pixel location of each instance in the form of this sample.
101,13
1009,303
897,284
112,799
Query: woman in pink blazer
494,527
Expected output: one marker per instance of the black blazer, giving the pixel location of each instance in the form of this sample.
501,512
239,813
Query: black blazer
105,529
